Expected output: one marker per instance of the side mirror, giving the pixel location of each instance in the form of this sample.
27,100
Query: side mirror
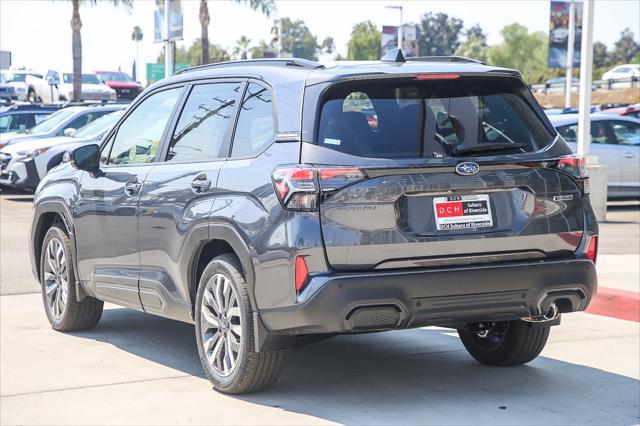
69,132
86,158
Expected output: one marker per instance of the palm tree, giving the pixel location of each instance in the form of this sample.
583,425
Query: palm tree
136,36
242,47
76,46
264,6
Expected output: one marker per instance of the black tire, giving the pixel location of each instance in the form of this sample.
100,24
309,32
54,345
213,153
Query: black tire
74,315
505,343
252,371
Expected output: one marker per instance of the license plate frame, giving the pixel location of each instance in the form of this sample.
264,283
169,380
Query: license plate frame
462,212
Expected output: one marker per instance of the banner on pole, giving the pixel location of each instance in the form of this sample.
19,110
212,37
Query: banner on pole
175,21
559,34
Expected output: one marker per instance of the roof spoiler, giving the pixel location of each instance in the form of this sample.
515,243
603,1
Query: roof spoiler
396,56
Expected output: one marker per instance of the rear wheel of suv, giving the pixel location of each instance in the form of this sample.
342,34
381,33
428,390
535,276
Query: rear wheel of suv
224,331
504,343
64,311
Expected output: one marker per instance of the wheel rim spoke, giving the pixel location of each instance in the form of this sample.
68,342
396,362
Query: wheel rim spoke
221,324
55,277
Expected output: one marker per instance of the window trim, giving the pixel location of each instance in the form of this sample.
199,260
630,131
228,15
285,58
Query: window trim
273,115
163,151
114,130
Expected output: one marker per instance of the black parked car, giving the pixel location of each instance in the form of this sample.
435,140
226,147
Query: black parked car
257,200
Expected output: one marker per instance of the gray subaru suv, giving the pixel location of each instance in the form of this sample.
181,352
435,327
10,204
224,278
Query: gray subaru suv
276,202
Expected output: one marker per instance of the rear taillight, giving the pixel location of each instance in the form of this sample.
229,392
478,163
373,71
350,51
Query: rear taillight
592,249
302,272
575,167
298,188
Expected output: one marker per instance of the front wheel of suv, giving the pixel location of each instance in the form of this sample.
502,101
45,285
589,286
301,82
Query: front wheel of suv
224,331
57,278
504,343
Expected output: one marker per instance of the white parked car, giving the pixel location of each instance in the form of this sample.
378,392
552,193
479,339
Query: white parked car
93,89
622,72
31,86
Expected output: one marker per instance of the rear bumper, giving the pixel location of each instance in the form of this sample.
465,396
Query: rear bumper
445,296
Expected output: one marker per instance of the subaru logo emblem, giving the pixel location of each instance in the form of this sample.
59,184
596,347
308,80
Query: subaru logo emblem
467,168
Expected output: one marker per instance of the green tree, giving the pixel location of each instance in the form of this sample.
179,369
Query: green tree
242,47
76,40
522,51
298,40
439,34
475,46
601,57
136,36
259,50
364,43
626,47
193,54
267,7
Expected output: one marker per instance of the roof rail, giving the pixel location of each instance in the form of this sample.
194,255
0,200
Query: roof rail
462,59
273,62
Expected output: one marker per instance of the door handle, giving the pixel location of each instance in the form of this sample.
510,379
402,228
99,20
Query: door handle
132,187
628,155
201,183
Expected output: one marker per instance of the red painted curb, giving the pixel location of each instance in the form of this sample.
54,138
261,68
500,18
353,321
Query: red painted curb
614,303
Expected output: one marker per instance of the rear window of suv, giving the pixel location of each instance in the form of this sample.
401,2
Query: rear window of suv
415,118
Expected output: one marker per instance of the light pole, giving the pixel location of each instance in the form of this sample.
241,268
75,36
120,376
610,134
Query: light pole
401,24
168,49
570,52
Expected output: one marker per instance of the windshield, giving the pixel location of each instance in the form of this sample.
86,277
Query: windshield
98,126
432,118
114,76
16,77
86,79
3,79
52,122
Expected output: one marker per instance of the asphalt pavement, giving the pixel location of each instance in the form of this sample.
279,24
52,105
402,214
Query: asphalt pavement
134,368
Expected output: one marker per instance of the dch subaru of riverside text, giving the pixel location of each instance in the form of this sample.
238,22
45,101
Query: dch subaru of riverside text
276,202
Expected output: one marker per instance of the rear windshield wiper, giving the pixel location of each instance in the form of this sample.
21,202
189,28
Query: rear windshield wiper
489,147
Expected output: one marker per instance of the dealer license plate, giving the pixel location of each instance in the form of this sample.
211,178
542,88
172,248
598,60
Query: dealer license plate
462,212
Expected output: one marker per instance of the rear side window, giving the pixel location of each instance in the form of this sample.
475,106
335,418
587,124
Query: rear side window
204,122
255,129
431,118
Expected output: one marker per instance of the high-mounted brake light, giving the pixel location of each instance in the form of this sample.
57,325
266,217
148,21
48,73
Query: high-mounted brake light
437,76
298,187
302,272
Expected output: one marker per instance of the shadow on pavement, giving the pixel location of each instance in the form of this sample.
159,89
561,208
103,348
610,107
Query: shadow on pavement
409,377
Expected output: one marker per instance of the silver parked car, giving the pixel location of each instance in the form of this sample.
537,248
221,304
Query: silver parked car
24,163
615,140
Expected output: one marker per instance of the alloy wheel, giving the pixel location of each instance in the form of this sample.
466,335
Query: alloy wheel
221,325
56,282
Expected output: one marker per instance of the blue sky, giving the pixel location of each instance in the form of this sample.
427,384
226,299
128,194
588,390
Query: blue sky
38,32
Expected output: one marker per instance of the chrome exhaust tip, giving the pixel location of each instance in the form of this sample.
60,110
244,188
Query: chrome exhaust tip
552,314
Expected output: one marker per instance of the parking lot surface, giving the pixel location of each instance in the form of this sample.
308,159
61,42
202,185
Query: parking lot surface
135,368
